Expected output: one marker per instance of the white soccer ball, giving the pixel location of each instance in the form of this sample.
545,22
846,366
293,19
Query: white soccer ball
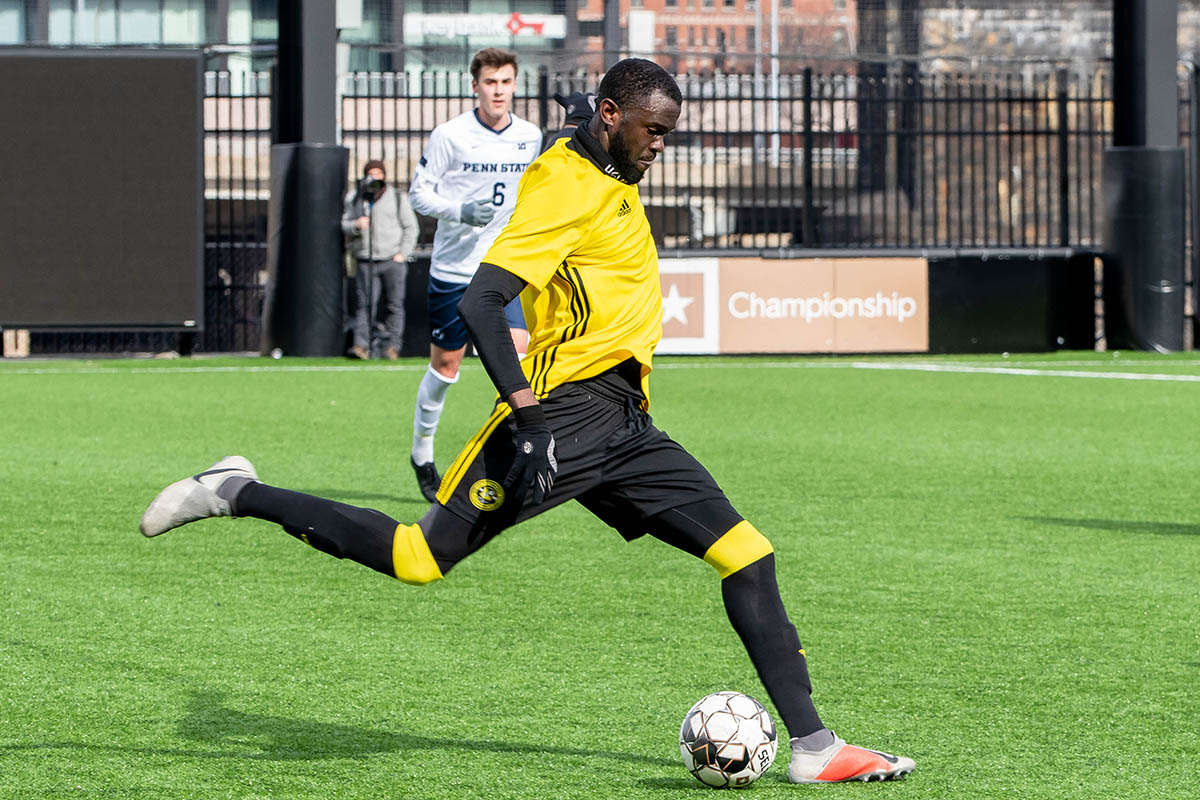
728,740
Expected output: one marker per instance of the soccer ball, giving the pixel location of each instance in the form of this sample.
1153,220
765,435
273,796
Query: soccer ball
728,740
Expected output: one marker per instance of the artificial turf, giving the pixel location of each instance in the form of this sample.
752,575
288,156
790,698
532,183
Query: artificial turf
996,573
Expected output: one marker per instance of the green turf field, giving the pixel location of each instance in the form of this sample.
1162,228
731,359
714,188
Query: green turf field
994,570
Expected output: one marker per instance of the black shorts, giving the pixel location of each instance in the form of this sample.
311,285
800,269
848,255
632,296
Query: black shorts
610,456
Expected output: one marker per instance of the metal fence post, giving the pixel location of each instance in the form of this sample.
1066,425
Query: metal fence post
543,97
808,229
1064,159
1193,158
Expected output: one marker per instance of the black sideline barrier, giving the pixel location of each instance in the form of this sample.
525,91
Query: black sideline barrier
1012,303
302,315
1144,244
978,303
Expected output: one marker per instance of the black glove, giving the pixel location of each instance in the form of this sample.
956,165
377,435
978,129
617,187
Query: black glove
579,107
534,465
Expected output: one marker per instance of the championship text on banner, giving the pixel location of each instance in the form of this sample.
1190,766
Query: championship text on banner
817,305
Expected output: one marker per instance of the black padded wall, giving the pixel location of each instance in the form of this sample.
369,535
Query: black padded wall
101,191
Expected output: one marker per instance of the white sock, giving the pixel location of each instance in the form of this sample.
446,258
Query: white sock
431,396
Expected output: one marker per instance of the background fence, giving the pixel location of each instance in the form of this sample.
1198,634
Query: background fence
879,155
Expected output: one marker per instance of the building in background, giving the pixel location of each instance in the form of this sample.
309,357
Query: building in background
722,35
685,35
376,35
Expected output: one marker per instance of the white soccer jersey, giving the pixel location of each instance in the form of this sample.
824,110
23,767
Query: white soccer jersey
466,160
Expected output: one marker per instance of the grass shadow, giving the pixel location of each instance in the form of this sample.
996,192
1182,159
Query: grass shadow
1123,526
232,734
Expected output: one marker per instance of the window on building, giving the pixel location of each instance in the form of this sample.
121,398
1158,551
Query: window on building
183,21
635,3
839,4
730,3
672,37
672,3
707,3
751,42
107,22
691,37
720,38
12,21
704,37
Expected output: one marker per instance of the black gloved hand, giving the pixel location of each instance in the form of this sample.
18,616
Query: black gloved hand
579,107
534,465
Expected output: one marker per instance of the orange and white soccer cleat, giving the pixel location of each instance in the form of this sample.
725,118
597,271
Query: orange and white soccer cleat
845,762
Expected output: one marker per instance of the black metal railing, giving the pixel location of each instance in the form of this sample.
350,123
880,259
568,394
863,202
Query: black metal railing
894,157
237,170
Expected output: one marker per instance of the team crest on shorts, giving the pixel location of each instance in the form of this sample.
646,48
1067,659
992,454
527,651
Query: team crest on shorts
487,495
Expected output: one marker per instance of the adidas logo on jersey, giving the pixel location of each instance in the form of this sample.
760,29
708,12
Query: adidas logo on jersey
625,208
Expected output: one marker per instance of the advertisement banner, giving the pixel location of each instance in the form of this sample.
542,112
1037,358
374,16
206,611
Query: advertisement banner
818,305
552,26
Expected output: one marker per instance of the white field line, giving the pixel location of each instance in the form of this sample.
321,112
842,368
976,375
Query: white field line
1041,373
903,366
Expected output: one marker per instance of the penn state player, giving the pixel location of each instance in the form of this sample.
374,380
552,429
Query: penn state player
467,178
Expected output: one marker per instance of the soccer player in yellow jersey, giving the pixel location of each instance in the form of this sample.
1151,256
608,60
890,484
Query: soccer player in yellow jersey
571,422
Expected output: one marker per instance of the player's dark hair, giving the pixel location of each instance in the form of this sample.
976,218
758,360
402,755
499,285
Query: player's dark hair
636,80
493,57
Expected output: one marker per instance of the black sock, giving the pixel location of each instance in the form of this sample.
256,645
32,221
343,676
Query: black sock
343,531
754,607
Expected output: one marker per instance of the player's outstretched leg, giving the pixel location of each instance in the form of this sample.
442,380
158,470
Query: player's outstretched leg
196,497
745,561
756,611
231,488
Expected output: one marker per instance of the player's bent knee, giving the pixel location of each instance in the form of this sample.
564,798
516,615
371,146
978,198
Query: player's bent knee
738,547
412,561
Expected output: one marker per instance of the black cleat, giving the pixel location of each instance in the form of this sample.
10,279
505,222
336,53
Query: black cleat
427,478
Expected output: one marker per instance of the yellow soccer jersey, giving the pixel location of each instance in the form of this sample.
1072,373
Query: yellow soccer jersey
579,237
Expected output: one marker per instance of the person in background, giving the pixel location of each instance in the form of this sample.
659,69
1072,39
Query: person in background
382,231
467,178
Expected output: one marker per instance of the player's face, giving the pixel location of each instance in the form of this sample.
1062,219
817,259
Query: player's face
495,87
638,138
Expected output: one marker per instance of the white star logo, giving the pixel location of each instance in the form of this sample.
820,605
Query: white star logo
674,305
